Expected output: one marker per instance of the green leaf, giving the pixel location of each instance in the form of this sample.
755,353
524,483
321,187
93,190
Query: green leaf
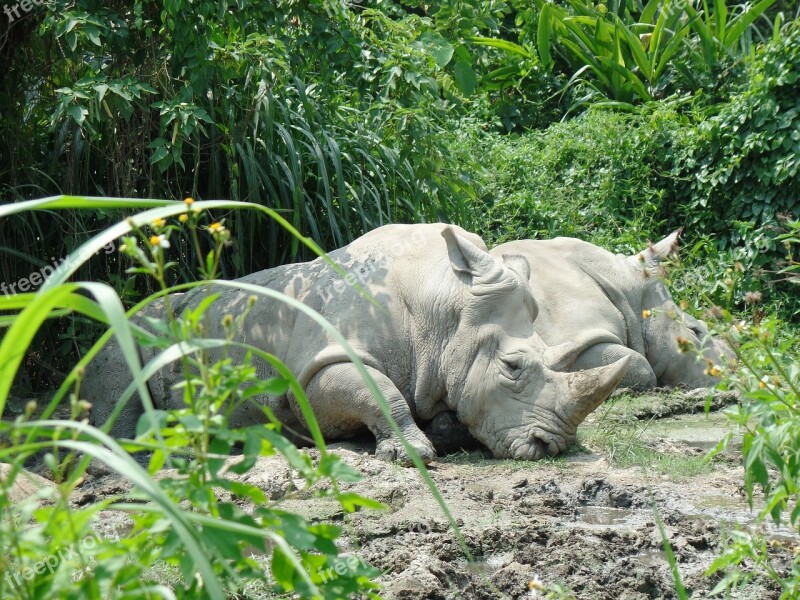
743,20
78,113
465,77
544,30
504,45
439,48
351,500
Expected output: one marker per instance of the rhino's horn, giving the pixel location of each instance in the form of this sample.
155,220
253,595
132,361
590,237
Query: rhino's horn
466,257
590,388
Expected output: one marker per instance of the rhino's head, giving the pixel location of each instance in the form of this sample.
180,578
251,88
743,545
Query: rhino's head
493,363
673,338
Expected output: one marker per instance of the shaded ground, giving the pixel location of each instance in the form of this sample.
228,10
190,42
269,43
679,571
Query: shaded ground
586,522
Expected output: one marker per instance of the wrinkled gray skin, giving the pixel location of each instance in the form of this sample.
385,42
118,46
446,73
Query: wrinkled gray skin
590,312
453,331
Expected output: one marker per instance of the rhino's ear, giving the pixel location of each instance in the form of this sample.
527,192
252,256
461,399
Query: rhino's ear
466,257
652,256
518,264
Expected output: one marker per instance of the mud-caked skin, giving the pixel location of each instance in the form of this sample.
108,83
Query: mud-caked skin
447,327
596,307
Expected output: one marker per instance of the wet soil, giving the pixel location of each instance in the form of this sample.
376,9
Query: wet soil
581,521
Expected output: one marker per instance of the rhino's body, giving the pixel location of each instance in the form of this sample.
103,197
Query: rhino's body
591,305
449,327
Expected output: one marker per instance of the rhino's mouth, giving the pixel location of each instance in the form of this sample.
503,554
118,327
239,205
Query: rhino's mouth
536,446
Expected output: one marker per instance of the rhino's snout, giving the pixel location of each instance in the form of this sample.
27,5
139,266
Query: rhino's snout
537,448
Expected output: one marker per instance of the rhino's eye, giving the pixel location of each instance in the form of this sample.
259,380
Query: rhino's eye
511,366
695,329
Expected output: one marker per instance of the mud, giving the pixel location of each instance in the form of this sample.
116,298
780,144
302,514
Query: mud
578,522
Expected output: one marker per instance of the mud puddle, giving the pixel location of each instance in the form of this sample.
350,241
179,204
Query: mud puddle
581,522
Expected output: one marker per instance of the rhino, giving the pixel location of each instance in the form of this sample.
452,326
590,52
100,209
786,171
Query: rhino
443,326
596,307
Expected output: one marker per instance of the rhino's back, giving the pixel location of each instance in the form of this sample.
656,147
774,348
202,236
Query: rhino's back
564,281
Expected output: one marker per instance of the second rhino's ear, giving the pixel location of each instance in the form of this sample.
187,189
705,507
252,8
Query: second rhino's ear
518,264
652,256
466,257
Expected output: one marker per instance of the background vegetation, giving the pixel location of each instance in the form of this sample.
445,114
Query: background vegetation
615,122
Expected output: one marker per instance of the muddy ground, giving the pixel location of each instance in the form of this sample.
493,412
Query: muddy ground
585,522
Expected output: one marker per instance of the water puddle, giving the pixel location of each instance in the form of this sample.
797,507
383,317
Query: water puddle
696,431
605,516
649,558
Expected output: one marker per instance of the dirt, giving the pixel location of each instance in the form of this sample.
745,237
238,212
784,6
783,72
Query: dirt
578,521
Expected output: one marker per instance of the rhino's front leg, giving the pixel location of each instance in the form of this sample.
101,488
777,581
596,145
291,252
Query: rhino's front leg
343,404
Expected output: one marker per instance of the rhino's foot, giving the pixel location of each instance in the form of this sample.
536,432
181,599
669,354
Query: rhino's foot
392,449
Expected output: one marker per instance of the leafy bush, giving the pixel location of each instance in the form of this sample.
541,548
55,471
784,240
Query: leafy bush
630,52
593,177
743,163
178,520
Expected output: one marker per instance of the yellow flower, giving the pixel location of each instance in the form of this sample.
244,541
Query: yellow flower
646,314
227,320
159,241
159,222
183,218
188,201
216,227
535,584
762,384
684,345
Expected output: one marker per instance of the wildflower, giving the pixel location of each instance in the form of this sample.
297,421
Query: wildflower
159,241
535,584
728,282
188,201
123,248
251,300
713,371
646,314
715,312
216,227
227,320
738,267
684,345
762,384
159,222
30,408
752,297
183,218
197,210
684,305
740,326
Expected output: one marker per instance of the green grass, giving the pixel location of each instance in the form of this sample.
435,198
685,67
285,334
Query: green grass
633,445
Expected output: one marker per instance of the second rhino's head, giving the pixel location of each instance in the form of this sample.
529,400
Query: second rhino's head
493,362
672,337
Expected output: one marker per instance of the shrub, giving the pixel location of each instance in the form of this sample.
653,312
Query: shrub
594,177
743,163
179,521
